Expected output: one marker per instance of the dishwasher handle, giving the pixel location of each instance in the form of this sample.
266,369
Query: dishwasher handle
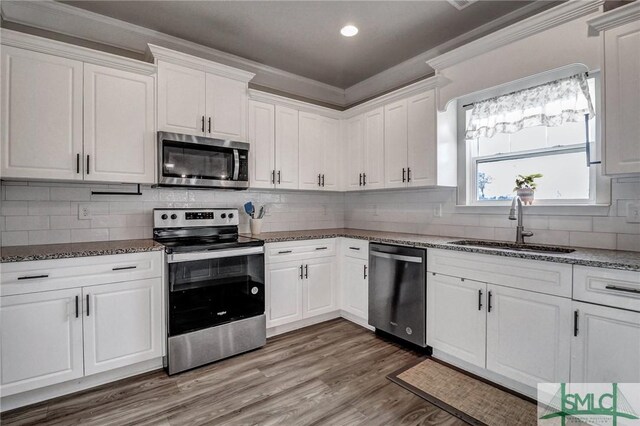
400,257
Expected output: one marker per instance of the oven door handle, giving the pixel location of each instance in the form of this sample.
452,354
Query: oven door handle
215,254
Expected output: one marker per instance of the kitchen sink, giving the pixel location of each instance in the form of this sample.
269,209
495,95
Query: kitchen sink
513,246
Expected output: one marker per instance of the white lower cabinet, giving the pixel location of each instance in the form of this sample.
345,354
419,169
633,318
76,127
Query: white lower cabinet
355,287
606,345
318,290
528,335
41,339
122,324
456,317
284,293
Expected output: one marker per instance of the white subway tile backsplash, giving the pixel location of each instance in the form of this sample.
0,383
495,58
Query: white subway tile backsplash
68,222
14,238
601,240
49,208
26,193
628,242
26,223
70,194
58,236
14,208
82,235
571,223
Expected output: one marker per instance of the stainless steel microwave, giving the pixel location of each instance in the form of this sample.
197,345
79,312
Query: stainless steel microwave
196,161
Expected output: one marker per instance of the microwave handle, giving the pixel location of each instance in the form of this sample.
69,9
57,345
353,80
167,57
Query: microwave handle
236,164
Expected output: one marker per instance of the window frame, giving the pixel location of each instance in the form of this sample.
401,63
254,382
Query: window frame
599,185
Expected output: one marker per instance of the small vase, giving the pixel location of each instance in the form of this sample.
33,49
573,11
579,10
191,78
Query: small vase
256,226
526,195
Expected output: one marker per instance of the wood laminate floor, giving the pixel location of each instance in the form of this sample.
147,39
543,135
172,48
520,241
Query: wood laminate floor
332,373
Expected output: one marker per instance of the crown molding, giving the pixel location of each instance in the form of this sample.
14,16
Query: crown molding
70,51
270,98
157,53
75,22
616,17
550,18
404,92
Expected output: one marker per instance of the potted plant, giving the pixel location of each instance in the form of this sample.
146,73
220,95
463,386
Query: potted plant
525,187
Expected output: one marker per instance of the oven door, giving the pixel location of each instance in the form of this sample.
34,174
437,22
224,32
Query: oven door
186,160
215,288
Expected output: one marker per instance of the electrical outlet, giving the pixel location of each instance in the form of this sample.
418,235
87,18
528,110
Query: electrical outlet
437,211
84,211
633,213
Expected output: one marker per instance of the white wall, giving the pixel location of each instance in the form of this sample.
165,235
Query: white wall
47,213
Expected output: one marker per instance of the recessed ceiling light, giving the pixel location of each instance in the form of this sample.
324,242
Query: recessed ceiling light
349,31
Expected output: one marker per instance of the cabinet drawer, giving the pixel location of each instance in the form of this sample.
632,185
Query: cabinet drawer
44,275
297,250
533,275
358,249
620,289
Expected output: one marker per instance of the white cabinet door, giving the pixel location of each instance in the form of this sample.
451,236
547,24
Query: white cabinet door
422,140
284,293
41,339
319,288
355,152
528,335
310,151
374,149
181,99
355,287
262,136
395,144
456,317
41,116
622,99
606,346
330,137
122,324
119,125
226,108
286,148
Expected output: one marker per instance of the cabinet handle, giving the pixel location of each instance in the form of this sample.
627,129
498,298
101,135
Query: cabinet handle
479,300
355,248
87,305
625,289
319,184
279,176
209,124
408,174
403,172
576,316
273,177
301,275
489,302
364,179
365,272
306,271
122,268
284,251
323,180
360,180
78,163
77,313
33,277
88,161
203,124
321,248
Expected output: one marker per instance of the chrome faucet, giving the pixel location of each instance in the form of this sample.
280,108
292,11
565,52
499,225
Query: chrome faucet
520,232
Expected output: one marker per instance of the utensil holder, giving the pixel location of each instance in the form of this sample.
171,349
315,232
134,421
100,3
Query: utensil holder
256,226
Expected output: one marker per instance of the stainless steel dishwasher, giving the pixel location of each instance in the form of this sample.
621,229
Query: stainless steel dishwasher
398,291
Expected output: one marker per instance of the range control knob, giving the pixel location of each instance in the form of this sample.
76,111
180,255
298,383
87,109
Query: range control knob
164,217
174,216
223,215
230,215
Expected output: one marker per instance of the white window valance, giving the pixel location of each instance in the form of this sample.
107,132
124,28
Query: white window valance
550,104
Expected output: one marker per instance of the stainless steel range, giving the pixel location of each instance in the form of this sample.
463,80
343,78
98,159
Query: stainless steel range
215,286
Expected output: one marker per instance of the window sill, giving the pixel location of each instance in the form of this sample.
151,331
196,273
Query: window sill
539,209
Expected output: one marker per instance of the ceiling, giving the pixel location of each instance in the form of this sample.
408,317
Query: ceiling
303,37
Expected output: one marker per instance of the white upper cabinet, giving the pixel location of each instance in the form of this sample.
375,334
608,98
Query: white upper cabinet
41,116
422,143
373,176
355,152
622,99
262,137
226,108
286,171
310,152
200,97
330,137
119,129
395,144
181,99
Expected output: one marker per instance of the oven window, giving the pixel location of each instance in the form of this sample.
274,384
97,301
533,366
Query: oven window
206,293
182,160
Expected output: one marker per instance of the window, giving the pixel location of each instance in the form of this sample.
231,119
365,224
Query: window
556,152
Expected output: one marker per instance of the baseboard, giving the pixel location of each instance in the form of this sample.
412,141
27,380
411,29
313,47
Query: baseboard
285,328
356,320
38,395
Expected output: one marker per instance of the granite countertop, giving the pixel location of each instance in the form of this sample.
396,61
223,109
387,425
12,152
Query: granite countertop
65,251
615,259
